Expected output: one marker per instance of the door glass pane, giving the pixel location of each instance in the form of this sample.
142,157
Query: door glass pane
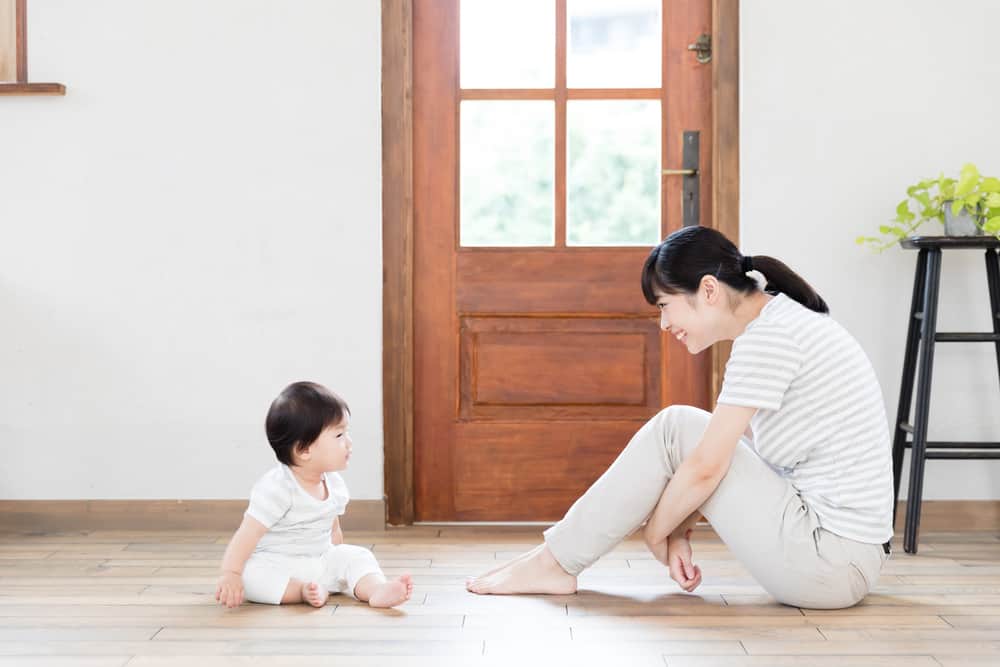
506,173
613,43
613,172
507,43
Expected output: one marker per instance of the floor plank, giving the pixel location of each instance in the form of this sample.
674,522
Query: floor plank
145,599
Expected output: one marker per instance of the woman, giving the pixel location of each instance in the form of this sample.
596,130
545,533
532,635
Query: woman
792,469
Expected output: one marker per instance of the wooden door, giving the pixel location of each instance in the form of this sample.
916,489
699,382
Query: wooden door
539,135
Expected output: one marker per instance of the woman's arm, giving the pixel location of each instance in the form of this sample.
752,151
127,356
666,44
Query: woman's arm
336,535
686,526
699,474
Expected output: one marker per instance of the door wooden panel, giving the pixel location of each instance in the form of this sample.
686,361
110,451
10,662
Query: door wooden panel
549,367
529,368
532,470
550,280
533,366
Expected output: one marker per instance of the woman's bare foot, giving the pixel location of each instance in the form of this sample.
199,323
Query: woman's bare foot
391,593
526,554
314,595
537,572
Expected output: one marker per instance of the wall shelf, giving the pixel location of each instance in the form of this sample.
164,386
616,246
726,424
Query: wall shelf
15,88
14,53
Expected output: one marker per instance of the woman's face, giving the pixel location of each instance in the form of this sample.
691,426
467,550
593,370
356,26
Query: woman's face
689,318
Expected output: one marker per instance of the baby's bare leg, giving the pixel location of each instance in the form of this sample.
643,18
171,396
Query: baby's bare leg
305,591
377,592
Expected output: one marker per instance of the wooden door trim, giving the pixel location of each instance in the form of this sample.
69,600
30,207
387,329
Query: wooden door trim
725,143
397,259
397,222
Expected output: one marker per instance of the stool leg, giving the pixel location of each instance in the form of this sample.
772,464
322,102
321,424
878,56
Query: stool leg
928,331
909,372
993,279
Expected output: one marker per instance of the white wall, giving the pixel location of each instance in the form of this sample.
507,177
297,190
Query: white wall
195,224
844,104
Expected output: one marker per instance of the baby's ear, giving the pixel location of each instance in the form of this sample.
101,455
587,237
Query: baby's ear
300,453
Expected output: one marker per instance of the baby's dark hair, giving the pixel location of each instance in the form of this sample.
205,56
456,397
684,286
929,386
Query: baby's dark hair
299,414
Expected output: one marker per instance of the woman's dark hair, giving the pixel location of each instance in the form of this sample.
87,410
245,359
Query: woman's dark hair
678,264
299,414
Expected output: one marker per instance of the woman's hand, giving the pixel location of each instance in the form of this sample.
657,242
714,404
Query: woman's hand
682,570
229,590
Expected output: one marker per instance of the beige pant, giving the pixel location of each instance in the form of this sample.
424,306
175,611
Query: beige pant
755,511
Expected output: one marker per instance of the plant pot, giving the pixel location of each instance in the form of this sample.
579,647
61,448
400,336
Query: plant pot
962,224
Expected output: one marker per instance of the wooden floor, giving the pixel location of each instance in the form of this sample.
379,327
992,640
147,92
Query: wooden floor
107,598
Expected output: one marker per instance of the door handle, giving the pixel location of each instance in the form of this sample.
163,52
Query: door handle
690,210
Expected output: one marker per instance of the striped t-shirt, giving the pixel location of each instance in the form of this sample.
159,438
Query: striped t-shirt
297,523
821,419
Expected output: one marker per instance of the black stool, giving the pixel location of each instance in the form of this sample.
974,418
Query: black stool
923,309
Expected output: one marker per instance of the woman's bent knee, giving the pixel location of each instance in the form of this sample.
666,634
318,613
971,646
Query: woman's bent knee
682,427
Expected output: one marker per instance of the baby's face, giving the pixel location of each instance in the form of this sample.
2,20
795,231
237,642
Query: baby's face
332,449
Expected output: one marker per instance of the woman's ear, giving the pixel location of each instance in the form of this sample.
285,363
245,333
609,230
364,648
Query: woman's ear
710,288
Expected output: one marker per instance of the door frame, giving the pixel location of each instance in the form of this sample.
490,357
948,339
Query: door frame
397,223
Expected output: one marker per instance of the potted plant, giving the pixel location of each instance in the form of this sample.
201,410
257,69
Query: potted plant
967,206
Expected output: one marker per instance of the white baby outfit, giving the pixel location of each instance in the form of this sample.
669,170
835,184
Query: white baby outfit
297,543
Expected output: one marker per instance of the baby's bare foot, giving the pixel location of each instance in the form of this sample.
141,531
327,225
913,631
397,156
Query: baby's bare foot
392,593
314,595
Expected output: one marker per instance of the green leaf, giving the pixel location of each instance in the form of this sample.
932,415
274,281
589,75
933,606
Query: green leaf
923,198
947,188
993,200
972,200
992,225
926,183
903,213
885,229
967,181
990,184
956,206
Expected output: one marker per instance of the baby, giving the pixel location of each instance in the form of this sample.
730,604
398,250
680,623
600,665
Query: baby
289,548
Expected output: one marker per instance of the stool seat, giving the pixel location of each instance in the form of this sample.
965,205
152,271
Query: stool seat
949,242
921,337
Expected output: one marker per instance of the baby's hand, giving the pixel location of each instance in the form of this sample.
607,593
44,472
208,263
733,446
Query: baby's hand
229,590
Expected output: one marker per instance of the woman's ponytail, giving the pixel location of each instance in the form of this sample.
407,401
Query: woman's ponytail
782,279
677,265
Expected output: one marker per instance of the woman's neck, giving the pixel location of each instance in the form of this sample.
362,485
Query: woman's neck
747,310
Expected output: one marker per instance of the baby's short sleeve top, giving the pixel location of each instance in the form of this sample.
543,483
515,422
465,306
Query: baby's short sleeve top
298,524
